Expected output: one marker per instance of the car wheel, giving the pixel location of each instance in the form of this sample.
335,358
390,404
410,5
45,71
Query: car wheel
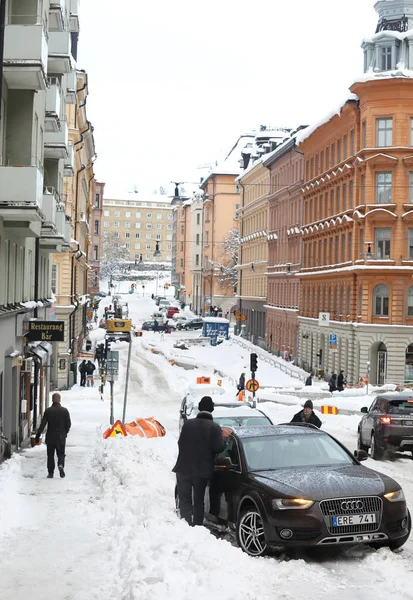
360,444
376,452
251,533
395,544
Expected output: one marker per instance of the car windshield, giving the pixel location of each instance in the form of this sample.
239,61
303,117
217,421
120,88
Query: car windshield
401,406
286,451
242,421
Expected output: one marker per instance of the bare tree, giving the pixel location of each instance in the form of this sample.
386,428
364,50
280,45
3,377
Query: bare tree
225,268
115,258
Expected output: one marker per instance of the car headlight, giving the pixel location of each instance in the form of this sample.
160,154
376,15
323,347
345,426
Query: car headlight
397,496
287,503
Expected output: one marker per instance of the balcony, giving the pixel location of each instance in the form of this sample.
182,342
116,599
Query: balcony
71,85
69,163
64,226
53,105
25,53
74,15
60,57
21,191
57,10
56,142
50,201
51,238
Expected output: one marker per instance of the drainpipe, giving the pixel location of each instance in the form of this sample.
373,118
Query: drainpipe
35,312
241,258
2,30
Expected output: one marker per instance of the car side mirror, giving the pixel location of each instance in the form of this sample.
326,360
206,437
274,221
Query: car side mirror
364,409
223,462
361,455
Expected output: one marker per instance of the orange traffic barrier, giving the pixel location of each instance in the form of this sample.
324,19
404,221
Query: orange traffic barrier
241,396
203,380
172,362
329,410
147,428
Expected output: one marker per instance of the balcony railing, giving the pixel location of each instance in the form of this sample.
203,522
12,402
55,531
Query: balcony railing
69,163
71,84
53,104
60,57
74,15
49,204
21,188
56,142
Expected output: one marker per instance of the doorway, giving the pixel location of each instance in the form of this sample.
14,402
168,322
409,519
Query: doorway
381,364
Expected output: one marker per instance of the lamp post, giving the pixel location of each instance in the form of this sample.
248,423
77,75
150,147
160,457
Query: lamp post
157,256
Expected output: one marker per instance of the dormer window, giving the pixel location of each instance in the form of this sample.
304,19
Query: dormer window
385,58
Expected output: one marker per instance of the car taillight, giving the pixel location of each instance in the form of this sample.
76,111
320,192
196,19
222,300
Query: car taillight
385,420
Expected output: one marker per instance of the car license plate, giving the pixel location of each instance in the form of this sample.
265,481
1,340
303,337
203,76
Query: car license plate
408,423
344,520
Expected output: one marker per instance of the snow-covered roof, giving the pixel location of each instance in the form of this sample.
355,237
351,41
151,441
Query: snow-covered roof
396,74
387,33
215,320
132,197
303,135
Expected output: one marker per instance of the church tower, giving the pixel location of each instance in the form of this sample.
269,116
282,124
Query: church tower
391,47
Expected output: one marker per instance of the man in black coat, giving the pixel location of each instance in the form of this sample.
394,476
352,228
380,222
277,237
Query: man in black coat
341,382
58,424
90,368
200,441
307,415
82,371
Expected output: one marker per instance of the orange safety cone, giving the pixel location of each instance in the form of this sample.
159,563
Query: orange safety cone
241,396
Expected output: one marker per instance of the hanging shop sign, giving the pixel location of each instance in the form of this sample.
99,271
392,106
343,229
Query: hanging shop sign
46,331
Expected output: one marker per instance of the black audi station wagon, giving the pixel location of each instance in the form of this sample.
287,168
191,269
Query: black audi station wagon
297,486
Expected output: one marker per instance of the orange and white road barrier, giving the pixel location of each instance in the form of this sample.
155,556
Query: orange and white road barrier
329,410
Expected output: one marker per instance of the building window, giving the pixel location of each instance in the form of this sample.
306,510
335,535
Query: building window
363,189
344,197
352,143
127,215
137,236
95,252
53,282
158,236
382,242
149,215
236,211
137,225
197,260
127,225
360,300
364,134
197,239
170,216
106,234
148,236
97,201
148,257
410,302
237,189
182,246
169,246
137,246
127,235
207,213
338,151
148,225
116,223
384,133
106,213
384,188
169,226
181,262
338,199
127,245
345,146
385,58
105,223
410,244
159,215
411,187
159,226
381,301
148,246
182,229
96,227
116,234
117,213
198,219
207,238
351,193
138,215
168,236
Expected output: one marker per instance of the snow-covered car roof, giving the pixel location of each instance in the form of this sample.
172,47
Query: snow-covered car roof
205,389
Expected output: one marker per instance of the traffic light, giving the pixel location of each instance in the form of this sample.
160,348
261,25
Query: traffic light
253,363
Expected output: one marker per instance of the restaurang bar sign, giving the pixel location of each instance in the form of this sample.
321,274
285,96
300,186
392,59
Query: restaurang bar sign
46,331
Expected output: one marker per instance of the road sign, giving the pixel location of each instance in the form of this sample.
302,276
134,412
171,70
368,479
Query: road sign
333,342
252,385
112,367
324,319
116,429
243,317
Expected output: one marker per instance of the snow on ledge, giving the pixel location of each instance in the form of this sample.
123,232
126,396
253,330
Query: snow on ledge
337,112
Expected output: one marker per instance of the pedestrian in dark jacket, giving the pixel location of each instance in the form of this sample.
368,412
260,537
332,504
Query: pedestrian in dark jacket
341,382
90,367
307,415
200,441
309,380
82,371
57,419
241,384
333,383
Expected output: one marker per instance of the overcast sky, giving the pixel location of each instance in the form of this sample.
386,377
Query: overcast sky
172,84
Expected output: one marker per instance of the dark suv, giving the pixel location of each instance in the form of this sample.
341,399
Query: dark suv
387,425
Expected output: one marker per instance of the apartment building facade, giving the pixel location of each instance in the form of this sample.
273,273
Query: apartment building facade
139,224
37,81
285,166
95,248
357,231
195,251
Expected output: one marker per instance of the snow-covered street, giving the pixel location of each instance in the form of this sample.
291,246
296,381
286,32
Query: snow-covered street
109,529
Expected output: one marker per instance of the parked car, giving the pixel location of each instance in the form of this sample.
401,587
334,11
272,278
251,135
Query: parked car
171,311
387,425
157,315
158,299
163,302
294,485
193,324
228,411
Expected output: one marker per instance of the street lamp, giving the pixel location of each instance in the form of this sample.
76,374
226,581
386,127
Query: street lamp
157,256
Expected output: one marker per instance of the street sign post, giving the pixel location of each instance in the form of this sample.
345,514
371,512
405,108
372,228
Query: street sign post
252,385
112,365
333,342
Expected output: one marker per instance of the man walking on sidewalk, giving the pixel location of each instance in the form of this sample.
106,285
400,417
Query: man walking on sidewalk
57,419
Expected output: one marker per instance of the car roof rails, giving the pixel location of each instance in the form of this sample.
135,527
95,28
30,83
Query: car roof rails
298,424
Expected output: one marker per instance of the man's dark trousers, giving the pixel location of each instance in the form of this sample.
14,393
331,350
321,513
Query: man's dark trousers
59,448
191,510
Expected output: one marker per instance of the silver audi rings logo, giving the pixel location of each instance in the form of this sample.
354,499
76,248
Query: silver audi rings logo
352,505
